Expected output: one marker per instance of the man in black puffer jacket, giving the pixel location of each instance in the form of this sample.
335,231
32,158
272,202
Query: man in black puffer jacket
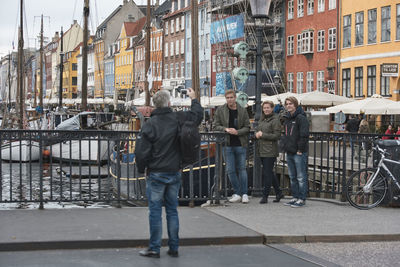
158,150
295,143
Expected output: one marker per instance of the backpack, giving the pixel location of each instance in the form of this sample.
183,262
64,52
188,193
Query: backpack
189,141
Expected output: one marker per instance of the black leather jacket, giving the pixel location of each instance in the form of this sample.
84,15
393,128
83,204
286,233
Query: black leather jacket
157,146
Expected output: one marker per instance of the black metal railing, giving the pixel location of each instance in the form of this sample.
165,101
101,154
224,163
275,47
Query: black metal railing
99,166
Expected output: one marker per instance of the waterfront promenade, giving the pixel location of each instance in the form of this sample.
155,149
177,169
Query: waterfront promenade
273,229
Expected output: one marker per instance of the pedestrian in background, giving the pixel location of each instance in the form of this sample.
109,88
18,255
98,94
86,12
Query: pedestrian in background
398,132
268,133
158,153
389,131
352,126
295,144
234,120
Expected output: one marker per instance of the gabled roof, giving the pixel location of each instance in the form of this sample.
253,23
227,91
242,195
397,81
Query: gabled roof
133,28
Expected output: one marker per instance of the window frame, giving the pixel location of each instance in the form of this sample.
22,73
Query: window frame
347,31
372,26
332,42
320,80
321,6
300,8
290,9
290,81
300,82
388,21
359,28
321,41
290,45
371,80
310,7
358,81
310,81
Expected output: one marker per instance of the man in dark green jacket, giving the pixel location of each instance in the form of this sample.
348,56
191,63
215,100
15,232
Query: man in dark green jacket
234,120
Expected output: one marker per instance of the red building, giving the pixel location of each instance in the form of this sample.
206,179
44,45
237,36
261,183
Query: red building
311,45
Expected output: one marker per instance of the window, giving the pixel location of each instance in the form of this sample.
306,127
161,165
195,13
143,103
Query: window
74,66
189,21
360,28
177,47
310,7
310,81
332,39
214,63
299,44
332,4
331,86
171,69
371,80
321,41
290,9
398,22
320,80
385,24
74,80
188,70
307,38
182,23
385,85
290,78
299,82
346,82
300,8
171,49
358,80
166,28
177,67
182,69
182,46
166,50
347,31
372,26
321,6
172,26
177,20
290,45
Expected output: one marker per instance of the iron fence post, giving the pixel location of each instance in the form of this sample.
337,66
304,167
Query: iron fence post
344,171
41,206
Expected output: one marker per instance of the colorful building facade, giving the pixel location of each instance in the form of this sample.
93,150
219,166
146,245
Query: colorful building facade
311,45
370,54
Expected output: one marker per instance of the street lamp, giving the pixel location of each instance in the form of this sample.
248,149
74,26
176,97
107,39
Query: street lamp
259,10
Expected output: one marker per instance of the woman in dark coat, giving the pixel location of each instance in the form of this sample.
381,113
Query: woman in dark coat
268,133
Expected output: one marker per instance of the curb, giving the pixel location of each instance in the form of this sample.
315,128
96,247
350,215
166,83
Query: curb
330,238
97,244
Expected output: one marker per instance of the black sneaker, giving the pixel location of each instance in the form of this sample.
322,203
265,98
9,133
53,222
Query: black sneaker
173,253
264,200
149,253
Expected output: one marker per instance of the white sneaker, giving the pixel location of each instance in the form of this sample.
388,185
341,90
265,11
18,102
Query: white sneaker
235,198
245,199
291,202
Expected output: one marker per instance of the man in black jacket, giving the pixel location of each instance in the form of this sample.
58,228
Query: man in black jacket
295,144
158,153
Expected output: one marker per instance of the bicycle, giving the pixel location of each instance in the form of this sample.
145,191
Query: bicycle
366,188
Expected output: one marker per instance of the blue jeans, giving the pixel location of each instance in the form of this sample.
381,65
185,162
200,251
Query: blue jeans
297,166
235,159
163,188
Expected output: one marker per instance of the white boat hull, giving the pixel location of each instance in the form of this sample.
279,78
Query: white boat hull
80,151
24,151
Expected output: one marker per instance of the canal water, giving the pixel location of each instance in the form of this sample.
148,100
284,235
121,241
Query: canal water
63,186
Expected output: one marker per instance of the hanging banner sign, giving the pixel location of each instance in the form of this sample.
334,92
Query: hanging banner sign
390,70
227,29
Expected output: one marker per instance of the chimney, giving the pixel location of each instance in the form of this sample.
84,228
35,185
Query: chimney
56,37
125,2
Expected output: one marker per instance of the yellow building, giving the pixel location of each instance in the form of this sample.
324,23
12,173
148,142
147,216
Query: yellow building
124,56
99,68
369,52
70,73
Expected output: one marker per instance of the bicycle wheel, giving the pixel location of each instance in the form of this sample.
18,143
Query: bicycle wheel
357,195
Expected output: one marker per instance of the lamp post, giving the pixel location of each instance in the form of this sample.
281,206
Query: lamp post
259,10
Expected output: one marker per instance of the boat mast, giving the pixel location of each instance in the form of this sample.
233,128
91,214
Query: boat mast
9,81
41,67
195,48
147,56
60,90
84,56
21,67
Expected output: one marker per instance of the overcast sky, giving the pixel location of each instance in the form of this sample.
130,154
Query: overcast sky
56,13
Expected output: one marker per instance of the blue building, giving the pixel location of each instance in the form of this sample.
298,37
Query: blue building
204,23
109,77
